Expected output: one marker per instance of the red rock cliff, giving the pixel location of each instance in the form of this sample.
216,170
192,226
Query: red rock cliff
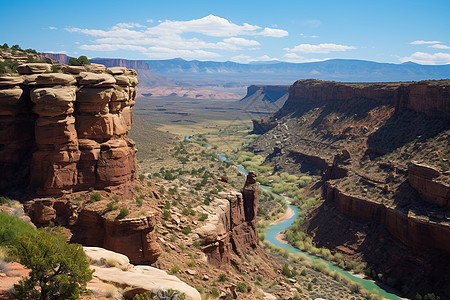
66,131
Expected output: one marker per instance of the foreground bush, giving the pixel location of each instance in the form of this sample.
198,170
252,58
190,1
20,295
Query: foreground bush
58,270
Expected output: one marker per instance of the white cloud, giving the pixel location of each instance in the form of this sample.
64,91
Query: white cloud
115,32
427,58
273,32
150,20
241,58
320,48
295,58
420,42
52,28
128,25
210,25
112,47
242,42
440,46
203,35
309,36
263,58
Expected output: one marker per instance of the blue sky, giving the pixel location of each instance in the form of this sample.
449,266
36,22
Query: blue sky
241,31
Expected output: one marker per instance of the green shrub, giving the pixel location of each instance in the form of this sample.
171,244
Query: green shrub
186,230
58,270
112,206
241,287
223,277
175,269
94,197
123,213
203,217
11,227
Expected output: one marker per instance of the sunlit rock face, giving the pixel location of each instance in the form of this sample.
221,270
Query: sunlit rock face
61,132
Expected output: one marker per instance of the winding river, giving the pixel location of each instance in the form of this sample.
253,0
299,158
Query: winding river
274,229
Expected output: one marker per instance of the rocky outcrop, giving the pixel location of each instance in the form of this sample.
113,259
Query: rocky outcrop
261,126
231,225
430,97
133,237
409,229
115,269
62,132
425,179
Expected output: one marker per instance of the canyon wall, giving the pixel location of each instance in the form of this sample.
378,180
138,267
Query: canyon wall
411,230
66,131
231,225
134,237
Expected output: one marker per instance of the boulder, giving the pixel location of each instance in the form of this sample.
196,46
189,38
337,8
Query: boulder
116,70
12,102
34,68
96,80
141,279
101,257
53,101
10,80
55,79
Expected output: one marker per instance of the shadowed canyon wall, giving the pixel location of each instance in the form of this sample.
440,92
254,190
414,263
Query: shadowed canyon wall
61,132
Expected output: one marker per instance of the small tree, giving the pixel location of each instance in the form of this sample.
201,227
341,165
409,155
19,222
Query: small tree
58,270
80,61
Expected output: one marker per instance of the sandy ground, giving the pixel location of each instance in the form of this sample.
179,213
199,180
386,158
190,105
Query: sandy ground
287,215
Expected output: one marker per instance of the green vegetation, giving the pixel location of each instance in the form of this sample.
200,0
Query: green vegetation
175,269
123,213
11,227
58,270
94,197
80,61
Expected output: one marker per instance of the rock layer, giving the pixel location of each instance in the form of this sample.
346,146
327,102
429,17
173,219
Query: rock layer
133,237
65,132
231,226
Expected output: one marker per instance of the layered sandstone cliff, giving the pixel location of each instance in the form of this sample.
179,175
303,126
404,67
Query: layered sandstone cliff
231,225
66,131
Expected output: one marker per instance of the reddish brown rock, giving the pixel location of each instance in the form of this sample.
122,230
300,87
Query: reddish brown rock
409,229
424,179
134,237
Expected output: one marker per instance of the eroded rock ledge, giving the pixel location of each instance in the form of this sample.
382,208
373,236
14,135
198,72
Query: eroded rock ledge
231,225
61,132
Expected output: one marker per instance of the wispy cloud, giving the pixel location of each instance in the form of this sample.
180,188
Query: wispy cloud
320,48
420,42
440,46
52,28
309,36
295,58
428,58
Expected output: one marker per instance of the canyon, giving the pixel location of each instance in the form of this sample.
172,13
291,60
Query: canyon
381,153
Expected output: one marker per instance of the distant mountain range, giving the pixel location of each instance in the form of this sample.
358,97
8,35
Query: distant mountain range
284,72
212,77
279,73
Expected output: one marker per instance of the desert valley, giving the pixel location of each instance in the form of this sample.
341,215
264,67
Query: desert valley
182,178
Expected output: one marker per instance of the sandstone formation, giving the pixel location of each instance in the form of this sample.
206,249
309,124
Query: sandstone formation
62,132
115,269
133,237
231,225
425,180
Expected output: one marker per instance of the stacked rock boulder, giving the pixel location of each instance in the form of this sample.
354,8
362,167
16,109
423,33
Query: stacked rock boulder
76,129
